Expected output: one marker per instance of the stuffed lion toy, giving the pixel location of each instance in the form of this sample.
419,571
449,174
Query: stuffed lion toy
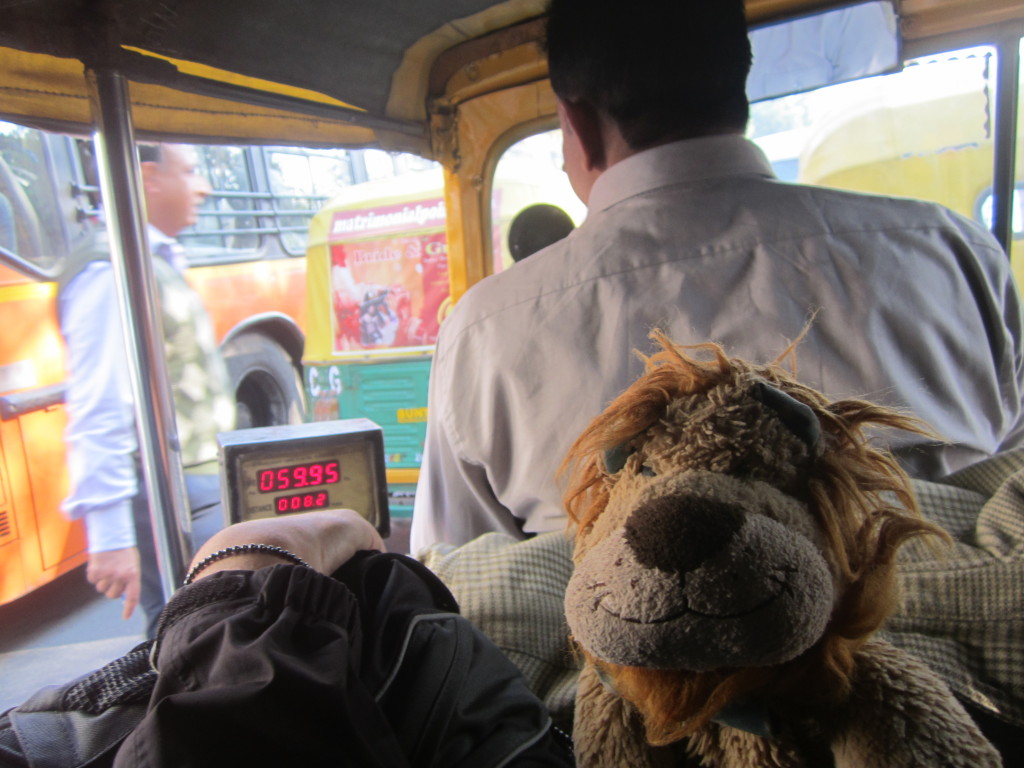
736,535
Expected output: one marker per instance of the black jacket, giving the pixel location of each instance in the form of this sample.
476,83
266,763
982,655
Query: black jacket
284,666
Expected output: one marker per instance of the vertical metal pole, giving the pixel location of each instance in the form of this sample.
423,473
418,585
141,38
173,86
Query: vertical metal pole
1005,139
121,186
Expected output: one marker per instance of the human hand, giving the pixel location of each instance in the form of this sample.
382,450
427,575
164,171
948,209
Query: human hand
325,539
116,573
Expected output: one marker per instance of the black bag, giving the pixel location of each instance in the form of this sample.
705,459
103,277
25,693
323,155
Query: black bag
283,667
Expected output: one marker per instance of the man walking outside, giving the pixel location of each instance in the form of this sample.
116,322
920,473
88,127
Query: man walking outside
101,435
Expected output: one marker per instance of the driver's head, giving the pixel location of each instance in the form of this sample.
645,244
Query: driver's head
662,70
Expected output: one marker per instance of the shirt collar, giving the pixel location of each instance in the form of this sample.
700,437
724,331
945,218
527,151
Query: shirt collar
167,248
157,238
680,162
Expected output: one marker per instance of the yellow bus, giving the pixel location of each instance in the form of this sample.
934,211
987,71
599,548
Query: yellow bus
378,289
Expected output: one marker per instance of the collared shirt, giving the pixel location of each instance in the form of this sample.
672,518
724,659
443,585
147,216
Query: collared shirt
916,308
101,437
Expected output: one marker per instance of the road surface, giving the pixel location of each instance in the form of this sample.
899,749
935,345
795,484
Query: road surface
59,632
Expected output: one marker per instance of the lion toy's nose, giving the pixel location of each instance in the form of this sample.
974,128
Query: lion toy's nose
677,533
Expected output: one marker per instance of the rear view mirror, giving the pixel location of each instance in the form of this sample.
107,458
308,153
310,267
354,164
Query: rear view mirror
823,49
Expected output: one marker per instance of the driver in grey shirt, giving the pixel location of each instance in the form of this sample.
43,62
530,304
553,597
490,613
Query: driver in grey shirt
689,231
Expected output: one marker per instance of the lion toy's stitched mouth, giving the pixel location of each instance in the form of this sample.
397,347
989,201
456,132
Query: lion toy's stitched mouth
692,582
778,580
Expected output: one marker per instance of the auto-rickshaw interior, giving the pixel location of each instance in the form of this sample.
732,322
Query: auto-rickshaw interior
463,83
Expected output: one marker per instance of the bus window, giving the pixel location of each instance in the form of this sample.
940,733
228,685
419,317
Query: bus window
30,225
301,182
263,199
529,172
227,218
379,165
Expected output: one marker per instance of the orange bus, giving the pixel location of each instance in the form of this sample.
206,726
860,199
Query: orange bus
246,257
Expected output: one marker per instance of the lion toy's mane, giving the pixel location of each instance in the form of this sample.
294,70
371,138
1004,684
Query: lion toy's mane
736,535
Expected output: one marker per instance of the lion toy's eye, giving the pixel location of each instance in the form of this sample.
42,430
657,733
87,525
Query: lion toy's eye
615,458
646,471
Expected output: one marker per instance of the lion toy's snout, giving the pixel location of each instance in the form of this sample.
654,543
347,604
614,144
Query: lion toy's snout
694,580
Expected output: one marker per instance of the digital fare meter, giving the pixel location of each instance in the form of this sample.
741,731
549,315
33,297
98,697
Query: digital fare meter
270,471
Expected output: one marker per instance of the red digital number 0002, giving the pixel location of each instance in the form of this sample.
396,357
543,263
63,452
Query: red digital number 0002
298,476
301,502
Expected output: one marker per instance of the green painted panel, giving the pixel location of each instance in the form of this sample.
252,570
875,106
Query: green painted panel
393,394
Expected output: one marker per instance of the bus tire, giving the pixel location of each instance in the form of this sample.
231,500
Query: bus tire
267,387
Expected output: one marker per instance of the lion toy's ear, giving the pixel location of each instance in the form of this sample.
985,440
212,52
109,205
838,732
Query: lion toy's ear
735,543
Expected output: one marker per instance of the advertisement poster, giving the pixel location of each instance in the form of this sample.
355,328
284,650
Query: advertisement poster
389,277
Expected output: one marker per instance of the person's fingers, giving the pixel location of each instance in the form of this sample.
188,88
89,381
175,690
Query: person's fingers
375,540
131,596
114,588
115,573
345,533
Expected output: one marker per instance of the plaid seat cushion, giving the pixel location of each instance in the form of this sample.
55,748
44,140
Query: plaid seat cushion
963,609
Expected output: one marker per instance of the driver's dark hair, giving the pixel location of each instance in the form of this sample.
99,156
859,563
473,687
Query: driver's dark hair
661,69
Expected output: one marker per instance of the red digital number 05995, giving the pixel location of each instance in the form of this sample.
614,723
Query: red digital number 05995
298,476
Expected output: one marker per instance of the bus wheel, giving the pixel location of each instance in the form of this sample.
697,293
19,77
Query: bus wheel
266,385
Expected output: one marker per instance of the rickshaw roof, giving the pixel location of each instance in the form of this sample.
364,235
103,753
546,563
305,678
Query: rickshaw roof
333,72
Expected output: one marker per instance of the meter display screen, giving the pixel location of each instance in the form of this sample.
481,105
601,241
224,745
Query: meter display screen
300,502
299,476
283,470
304,481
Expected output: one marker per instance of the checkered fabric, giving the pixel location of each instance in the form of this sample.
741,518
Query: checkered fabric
513,591
127,680
963,609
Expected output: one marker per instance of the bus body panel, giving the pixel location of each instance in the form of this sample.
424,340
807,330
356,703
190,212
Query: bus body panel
393,394
37,542
232,292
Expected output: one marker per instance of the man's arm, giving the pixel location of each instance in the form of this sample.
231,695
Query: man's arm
1013,317
101,438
